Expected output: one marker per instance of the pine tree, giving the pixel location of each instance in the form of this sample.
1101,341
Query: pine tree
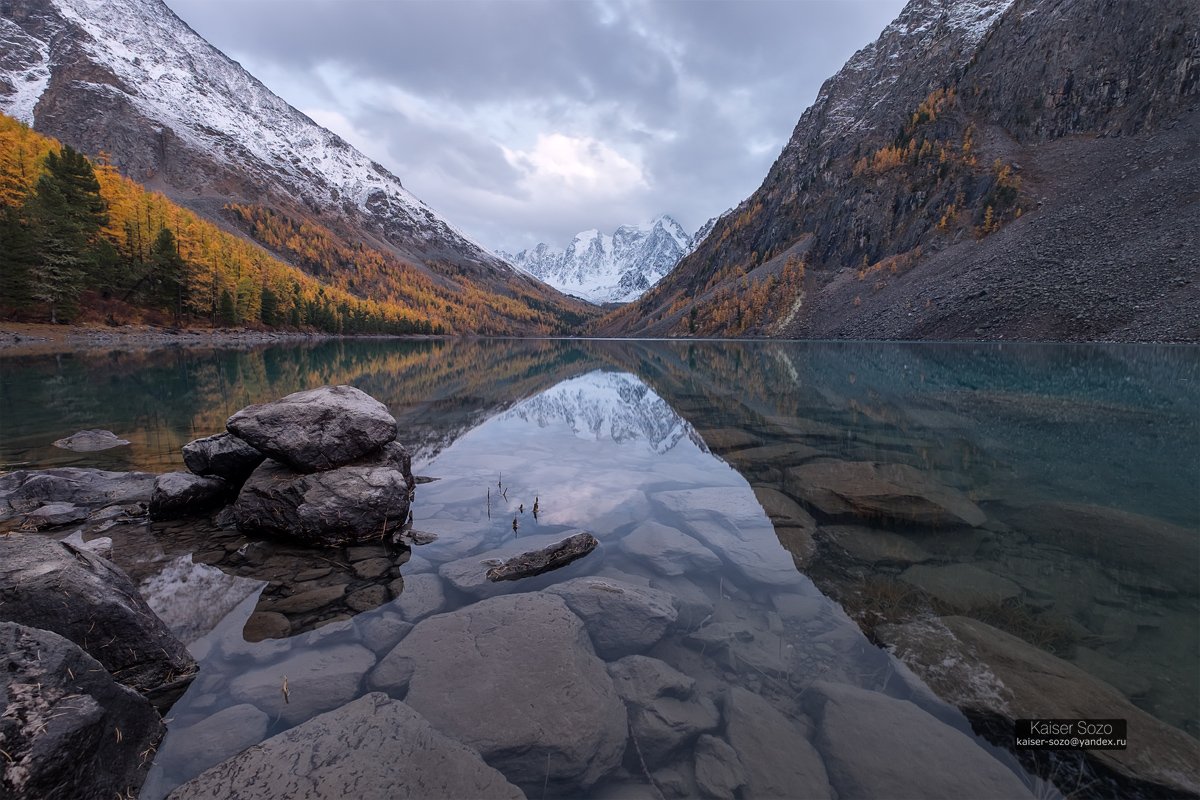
169,282
226,310
57,273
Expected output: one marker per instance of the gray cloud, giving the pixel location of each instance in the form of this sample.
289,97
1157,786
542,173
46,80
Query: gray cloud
529,120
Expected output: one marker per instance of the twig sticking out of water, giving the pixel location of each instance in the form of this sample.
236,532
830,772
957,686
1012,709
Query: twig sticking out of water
535,507
489,502
515,526
285,690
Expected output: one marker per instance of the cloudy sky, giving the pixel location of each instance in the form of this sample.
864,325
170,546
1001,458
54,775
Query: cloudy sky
529,120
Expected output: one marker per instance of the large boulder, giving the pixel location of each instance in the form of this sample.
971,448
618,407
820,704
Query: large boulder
317,429
222,456
668,551
996,676
349,504
877,746
52,585
514,677
178,494
775,751
666,715
355,750
873,491
621,617
67,728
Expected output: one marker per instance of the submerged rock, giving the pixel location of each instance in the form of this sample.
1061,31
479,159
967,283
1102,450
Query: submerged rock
370,743
961,586
222,456
621,617
776,752
877,746
340,506
318,679
666,715
177,494
668,551
719,771
91,441
514,677
222,735
317,429
873,491
57,587
25,490
67,728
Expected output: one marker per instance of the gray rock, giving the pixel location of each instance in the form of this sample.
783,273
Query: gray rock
266,625
382,631
67,728
310,600
222,735
669,551
222,456
871,490
423,595
367,598
878,746
665,714
317,429
372,568
25,490
178,494
318,680
741,644
340,506
547,709
100,546
776,752
694,604
78,595
54,515
783,510
622,618
875,546
469,574
992,673
371,743
91,441
719,771
961,586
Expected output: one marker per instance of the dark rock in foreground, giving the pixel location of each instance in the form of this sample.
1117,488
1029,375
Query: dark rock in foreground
317,429
222,456
26,490
349,504
177,494
72,592
371,743
91,441
68,729
557,555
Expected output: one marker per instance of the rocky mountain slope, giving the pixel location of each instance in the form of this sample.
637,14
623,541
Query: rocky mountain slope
606,268
130,80
985,169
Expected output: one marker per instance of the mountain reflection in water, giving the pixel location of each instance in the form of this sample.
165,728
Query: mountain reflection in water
1069,453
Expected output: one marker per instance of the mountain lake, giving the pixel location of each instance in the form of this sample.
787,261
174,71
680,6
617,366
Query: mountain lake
824,569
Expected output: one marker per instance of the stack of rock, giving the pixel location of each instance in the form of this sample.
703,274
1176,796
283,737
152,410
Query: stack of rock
321,466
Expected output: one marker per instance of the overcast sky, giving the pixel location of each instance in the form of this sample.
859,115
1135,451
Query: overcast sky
529,120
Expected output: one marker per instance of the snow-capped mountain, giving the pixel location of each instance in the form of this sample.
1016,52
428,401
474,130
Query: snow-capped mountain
609,268
608,405
132,80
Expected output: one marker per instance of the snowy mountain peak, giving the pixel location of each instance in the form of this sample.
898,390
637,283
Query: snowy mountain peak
609,268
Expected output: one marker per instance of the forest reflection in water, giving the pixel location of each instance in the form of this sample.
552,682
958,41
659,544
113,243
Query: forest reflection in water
1083,459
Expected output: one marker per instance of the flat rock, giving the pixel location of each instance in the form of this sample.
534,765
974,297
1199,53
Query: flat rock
422,595
547,710
872,490
68,729
87,599
961,586
380,632
100,545
776,752
1023,681
222,456
317,429
875,546
222,735
665,713
91,441
318,679
668,551
877,746
370,743
783,510
719,771
372,568
340,506
622,618
25,490
310,600
367,598
178,494
54,515
266,625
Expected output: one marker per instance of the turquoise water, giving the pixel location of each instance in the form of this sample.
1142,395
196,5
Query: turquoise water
1066,450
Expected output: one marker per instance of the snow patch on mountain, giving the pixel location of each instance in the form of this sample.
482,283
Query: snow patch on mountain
609,268
25,79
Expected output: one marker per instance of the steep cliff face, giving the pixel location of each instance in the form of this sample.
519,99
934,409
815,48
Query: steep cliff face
129,80
911,183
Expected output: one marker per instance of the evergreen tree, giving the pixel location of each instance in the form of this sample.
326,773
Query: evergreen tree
227,310
169,273
16,258
56,275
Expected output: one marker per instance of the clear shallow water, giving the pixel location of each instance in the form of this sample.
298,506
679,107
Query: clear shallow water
609,435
